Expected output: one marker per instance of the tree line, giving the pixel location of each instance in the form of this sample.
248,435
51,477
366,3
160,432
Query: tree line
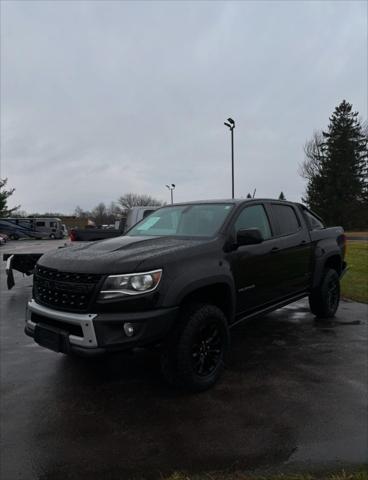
102,214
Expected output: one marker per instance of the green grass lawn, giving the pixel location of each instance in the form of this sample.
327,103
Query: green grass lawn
355,282
342,475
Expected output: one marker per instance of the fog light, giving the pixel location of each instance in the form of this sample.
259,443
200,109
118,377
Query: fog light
129,329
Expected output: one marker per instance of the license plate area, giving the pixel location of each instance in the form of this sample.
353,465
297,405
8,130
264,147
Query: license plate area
51,338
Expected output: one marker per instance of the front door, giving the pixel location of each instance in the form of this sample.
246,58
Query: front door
253,265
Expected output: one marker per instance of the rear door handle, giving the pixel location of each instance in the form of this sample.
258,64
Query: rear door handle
275,249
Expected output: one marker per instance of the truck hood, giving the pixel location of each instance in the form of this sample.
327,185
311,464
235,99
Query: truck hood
116,255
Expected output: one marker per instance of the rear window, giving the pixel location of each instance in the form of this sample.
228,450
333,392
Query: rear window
314,222
286,220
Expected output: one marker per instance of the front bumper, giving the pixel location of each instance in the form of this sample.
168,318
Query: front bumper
93,333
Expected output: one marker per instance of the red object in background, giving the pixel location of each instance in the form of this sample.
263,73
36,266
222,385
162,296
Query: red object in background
72,235
342,242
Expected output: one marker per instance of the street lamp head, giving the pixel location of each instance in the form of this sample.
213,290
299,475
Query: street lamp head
173,185
230,120
227,124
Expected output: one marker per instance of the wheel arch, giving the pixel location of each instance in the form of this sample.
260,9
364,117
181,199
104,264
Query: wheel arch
333,261
218,293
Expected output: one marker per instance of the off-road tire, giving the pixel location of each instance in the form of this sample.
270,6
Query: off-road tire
324,300
186,348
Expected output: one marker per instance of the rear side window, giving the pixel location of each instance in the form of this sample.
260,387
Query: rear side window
254,217
286,220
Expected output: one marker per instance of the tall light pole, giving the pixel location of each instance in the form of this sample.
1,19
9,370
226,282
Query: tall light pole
171,187
231,124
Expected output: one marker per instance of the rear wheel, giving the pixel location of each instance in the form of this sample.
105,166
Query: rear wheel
194,355
324,300
52,236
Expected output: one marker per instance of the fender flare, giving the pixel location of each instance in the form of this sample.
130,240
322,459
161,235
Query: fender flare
320,266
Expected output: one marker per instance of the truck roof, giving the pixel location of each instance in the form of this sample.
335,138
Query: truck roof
235,201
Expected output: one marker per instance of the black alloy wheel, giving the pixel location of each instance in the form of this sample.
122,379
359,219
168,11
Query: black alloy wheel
324,300
207,351
195,352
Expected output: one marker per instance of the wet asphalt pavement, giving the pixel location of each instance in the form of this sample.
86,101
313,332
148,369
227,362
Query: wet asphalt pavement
294,397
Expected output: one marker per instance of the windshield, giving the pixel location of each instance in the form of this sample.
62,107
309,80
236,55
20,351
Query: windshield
202,220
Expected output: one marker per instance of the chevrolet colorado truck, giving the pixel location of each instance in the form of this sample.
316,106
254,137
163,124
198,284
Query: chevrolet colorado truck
182,278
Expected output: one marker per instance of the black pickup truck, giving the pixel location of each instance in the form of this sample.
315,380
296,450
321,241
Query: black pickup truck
181,278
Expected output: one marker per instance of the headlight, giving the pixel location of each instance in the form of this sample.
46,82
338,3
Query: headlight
130,284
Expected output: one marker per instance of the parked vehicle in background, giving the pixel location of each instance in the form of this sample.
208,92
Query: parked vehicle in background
42,227
3,239
88,234
136,214
64,230
18,228
49,227
182,278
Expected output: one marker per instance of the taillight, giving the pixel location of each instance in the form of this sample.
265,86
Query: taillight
342,242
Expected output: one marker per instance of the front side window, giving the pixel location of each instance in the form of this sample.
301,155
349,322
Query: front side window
254,217
287,221
40,224
201,220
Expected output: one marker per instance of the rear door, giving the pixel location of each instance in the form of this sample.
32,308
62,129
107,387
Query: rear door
293,253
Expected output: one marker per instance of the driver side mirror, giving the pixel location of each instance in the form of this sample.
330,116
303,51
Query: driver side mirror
250,236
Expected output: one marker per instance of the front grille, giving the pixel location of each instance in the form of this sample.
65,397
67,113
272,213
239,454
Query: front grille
72,292
71,328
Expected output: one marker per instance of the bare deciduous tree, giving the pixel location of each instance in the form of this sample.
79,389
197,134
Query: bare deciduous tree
130,200
80,213
314,152
99,214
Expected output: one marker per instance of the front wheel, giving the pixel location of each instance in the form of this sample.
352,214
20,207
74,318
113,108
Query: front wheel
194,355
324,300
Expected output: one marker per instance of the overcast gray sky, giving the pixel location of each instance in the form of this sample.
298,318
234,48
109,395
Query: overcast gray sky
103,98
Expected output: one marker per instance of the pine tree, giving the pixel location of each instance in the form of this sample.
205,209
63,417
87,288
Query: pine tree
4,195
336,169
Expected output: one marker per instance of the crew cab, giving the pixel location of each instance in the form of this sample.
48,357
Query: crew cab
182,278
